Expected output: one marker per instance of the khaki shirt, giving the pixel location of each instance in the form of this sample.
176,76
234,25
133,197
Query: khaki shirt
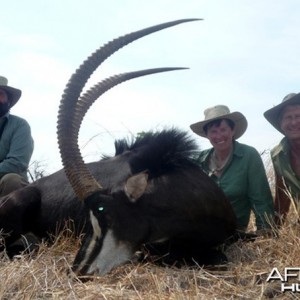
283,168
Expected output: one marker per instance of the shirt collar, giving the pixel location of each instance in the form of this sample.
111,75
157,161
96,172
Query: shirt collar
283,146
2,119
6,116
237,151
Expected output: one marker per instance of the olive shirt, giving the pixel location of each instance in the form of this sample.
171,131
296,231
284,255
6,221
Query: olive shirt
16,146
287,185
283,168
245,184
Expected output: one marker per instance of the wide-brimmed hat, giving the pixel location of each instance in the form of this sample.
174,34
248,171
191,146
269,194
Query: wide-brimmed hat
221,112
13,93
273,115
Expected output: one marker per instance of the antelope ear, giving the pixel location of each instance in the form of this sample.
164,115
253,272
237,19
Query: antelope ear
136,185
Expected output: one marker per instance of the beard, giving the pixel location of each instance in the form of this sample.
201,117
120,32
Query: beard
4,108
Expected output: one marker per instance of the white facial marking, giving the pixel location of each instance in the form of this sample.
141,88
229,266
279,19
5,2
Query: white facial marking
112,254
96,235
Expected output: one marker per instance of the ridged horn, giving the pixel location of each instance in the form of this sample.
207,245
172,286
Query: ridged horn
73,107
89,97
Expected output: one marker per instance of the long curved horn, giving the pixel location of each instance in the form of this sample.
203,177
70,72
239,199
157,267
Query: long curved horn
70,112
89,97
84,182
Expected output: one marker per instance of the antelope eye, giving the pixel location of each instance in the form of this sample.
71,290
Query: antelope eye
100,208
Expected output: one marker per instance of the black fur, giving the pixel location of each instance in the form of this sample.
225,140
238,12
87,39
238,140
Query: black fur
181,203
159,152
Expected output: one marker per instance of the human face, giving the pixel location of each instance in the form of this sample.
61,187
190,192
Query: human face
4,103
221,136
3,96
290,121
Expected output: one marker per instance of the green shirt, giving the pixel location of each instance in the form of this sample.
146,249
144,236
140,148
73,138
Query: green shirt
16,146
283,168
245,184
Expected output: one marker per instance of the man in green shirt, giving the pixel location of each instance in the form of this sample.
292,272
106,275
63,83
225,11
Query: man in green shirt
237,168
285,117
16,143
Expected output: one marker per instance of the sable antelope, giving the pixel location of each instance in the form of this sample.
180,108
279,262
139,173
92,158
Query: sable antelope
150,193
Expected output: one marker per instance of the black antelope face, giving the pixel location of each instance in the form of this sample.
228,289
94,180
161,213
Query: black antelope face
116,228
101,249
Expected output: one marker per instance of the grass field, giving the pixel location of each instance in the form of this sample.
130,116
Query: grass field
44,275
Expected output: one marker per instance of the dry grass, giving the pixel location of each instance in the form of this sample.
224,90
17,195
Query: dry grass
44,275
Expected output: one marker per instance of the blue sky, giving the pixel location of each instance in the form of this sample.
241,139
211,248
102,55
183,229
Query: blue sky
245,54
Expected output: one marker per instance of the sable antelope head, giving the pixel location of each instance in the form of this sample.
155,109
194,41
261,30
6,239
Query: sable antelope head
100,252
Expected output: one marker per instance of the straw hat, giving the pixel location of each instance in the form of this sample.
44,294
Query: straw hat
273,115
221,112
13,93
